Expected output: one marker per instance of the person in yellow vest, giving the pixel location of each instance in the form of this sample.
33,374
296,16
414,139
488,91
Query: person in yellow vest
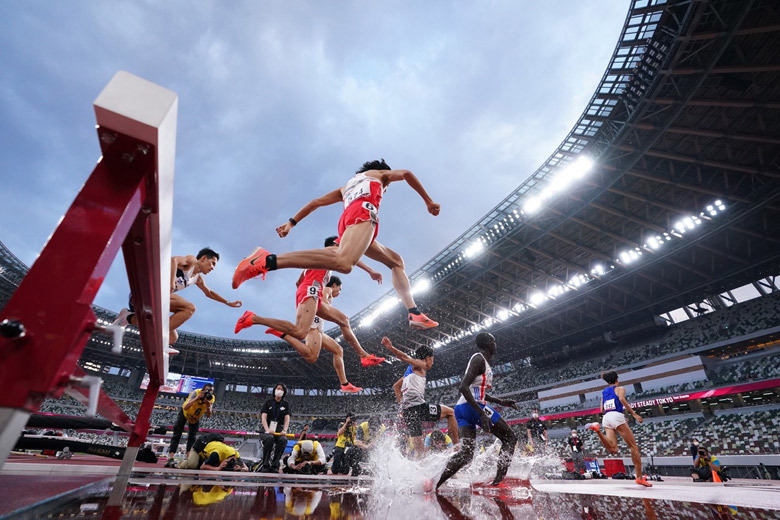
345,439
204,496
368,432
307,457
198,403
301,502
216,456
437,441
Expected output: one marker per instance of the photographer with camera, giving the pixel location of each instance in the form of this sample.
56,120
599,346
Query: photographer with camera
211,453
345,440
704,465
198,403
306,458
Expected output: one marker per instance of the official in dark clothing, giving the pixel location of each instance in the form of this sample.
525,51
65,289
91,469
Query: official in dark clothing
275,419
536,431
575,445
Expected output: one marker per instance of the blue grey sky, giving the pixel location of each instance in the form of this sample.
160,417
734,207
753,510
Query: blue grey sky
279,102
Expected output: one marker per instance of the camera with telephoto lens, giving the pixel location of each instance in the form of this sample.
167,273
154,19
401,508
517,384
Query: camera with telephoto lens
702,453
231,464
207,396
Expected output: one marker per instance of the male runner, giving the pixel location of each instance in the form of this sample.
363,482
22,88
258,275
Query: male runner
357,227
308,325
472,410
327,312
613,403
414,409
185,271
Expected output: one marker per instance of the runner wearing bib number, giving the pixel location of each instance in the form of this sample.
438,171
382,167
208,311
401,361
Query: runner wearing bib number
307,326
613,406
358,228
472,410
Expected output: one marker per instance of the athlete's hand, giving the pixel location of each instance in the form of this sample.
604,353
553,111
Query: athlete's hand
375,275
237,303
284,229
510,404
638,418
386,342
433,208
485,422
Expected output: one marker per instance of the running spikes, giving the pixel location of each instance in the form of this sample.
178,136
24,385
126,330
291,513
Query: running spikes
371,360
251,267
275,332
421,322
349,387
244,322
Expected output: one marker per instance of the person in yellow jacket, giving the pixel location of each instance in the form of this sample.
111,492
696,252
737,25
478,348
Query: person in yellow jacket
198,403
345,440
307,457
216,456
368,432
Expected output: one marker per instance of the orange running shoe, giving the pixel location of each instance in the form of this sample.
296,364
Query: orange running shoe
251,267
371,360
244,322
643,481
593,426
349,387
421,322
275,332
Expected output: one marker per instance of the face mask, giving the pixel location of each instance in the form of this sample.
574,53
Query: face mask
574,434
279,393
535,415
695,443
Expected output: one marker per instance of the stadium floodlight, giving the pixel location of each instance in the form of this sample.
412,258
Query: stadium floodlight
597,270
474,249
689,223
679,226
437,344
581,167
654,242
577,280
368,320
502,314
519,307
537,298
421,286
532,205
487,322
388,304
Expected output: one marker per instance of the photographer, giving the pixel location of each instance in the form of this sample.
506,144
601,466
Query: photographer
210,453
307,458
198,403
704,465
536,431
275,419
345,440
694,448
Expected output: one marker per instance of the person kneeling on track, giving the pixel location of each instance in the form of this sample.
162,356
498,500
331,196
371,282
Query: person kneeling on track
307,458
210,453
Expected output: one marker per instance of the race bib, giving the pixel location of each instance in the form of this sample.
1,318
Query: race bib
313,291
371,211
488,411
433,409
609,404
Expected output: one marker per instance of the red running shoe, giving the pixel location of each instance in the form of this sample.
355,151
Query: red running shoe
371,360
643,481
593,427
421,322
244,322
251,267
349,387
275,332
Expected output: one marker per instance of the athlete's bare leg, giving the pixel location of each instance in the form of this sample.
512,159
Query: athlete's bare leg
608,440
331,346
452,423
468,441
182,311
636,457
332,314
352,246
304,317
419,447
309,351
395,263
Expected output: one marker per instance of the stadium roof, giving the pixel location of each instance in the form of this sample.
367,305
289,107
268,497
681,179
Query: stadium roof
665,191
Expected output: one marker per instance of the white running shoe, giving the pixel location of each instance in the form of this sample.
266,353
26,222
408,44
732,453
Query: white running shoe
171,351
121,318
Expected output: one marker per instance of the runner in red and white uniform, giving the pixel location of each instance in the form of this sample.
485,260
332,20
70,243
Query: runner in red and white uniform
358,227
308,325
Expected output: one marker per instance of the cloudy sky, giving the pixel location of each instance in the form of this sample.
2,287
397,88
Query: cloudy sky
279,102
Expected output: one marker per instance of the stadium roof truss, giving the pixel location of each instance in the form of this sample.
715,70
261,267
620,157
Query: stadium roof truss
666,191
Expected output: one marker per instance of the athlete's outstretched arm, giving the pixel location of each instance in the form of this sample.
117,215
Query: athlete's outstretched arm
326,200
375,275
214,296
412,180
503,402
621,393
419,363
